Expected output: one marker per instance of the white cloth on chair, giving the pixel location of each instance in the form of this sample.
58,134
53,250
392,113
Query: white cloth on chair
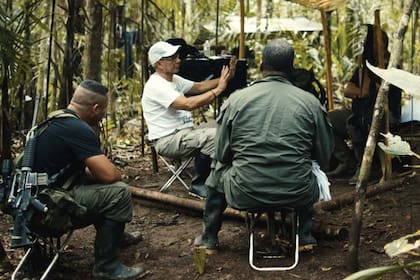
323,183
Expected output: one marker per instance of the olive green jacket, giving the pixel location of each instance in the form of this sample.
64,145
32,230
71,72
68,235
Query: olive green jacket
267,136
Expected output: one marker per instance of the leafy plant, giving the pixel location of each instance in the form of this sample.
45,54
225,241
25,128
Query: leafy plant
401,248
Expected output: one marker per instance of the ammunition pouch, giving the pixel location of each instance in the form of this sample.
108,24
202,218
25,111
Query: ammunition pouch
64,214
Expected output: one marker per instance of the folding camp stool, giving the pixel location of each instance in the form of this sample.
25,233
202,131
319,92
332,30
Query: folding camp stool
252,216
48,247
175,166
176,169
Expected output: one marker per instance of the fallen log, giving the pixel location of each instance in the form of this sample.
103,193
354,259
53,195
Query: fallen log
334,204
319,228
179,202
348,198
323,229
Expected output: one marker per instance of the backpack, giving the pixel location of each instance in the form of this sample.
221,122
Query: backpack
64,213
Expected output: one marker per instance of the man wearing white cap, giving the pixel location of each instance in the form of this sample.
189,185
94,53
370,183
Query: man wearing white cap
166,110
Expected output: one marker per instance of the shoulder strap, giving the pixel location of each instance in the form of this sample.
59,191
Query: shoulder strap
68,183
42,126
61,114
53,115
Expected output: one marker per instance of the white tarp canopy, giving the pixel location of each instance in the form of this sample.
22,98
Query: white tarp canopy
270,25
406,81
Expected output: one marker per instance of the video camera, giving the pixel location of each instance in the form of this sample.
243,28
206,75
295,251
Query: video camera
200,69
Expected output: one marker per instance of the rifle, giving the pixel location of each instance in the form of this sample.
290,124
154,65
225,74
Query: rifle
24,190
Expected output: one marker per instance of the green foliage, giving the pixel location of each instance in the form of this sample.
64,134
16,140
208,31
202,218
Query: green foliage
377,272
406,245
162,19
11,45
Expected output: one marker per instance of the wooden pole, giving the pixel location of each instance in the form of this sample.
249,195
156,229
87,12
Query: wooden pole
217,28
395,59
144,71
380,55
242,32
326,34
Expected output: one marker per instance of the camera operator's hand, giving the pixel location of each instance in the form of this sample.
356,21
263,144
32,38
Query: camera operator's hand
225,76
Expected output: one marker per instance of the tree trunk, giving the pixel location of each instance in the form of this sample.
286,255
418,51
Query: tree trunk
325,18
28,85
66,89
5,133
117,15
93,40
395,61
5,127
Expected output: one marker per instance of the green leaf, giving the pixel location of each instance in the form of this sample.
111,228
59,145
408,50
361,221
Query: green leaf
374,273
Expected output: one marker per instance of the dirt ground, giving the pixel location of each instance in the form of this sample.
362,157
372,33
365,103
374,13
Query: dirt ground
165,251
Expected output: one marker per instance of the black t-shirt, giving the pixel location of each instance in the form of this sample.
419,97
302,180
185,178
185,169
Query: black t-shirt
66,142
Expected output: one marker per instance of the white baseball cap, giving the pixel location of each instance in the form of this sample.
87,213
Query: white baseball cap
161,49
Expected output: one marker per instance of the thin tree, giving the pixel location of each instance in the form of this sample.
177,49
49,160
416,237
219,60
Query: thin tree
66,89
93,41
396,62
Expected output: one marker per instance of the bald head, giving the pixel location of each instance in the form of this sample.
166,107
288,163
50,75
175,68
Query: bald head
278,56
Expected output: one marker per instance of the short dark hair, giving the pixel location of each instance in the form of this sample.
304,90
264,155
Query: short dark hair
278,55
94,86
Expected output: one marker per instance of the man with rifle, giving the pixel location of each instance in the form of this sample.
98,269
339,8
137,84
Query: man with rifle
68,151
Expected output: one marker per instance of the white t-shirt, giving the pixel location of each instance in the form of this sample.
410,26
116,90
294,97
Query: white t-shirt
158,95
410,111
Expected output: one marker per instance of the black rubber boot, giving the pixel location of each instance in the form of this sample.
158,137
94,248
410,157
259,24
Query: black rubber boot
201,172
212,221
306,240
107,244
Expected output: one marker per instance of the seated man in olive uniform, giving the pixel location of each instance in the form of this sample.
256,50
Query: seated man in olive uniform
267,137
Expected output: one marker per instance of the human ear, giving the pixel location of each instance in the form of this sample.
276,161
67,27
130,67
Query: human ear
95,107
